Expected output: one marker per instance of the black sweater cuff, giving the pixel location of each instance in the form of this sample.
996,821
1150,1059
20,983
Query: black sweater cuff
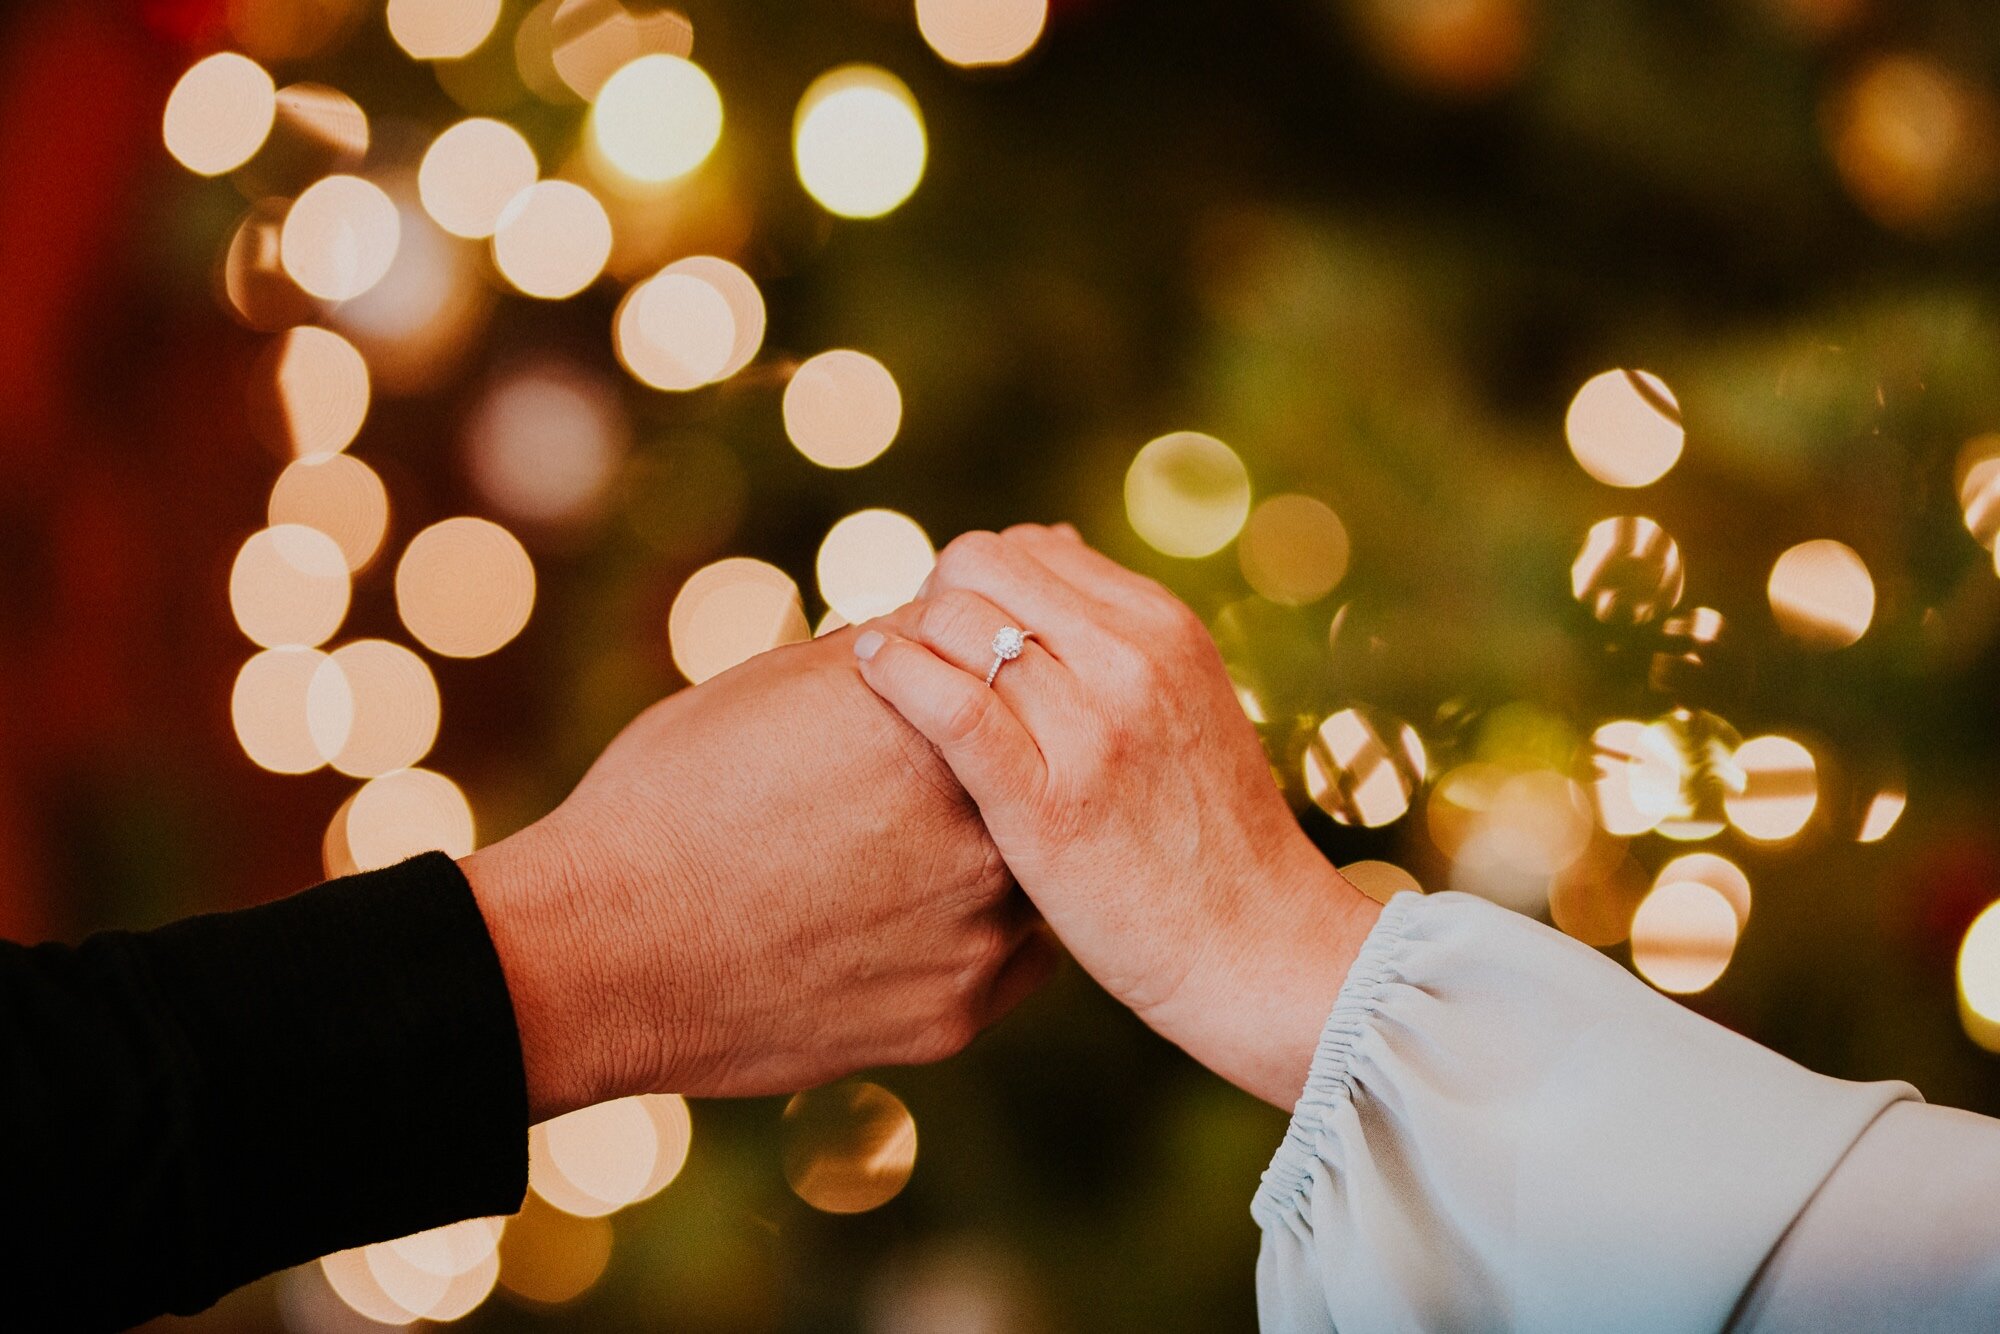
356,1067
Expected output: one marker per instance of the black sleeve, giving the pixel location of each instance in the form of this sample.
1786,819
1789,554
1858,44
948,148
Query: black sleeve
190,1108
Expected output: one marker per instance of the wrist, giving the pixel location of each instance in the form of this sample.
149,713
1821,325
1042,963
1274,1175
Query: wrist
1264,973
532,893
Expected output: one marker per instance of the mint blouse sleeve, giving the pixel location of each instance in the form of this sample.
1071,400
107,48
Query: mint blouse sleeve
1502,1129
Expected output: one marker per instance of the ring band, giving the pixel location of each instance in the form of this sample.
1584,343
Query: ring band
1007,644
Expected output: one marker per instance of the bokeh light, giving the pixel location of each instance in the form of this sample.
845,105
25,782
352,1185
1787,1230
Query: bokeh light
1380,881
873,562
1629,571
1187,494
656,119
219,113
1293,550
1979,489
340,237
1363,769
549,1257
842,409
552,240
426,315
260,293
1979,979
1718,873
588,41
1513,831
410,811
1683,936
675,331
746,305
848,1147
1822,594
269,710
471,172
543,444
289,586
602,1158
1628,776
349,1275
311,392
340,496
982,32
858,141
1913,143
292,29
465,587
319,131
1780,789
441,29
1624,427
731,611
1595,899
1884,810
373,707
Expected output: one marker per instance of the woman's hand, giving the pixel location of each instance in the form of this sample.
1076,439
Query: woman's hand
1130,796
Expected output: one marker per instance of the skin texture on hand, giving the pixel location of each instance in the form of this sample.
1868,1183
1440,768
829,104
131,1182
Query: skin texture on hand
1130,796
765,882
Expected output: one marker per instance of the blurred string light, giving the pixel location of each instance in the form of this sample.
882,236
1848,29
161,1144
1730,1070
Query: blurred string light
1683,936
268,708
982,32
1380,881
441,29
873,562
398,815
656,119
1467,48
729,612
372,707
415,324
548,1257
311,392
1979,979
340,496
1822,594
858,141
589,41
697,321
842,409
470,173
1718,873
1624,428
1509,831
1779,789
1595,899
440,1275
543,443
1631,778
340,237
1187,494
1294,549
599,1159
1915,145
219,113
289,586
552,240
319,131
465,587
848,1147
277,30
1979,489
1629,571
259,292
1363,769
1884,810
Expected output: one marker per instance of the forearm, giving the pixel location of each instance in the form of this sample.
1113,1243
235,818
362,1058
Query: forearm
199,1105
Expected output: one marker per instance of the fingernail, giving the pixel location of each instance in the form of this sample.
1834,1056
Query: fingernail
867,644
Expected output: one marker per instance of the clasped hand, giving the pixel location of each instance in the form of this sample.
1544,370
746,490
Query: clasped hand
852,852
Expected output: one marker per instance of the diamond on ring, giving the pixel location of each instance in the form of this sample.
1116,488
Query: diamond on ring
1008,641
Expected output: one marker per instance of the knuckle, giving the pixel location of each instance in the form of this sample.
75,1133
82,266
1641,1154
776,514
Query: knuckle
968,552
967,716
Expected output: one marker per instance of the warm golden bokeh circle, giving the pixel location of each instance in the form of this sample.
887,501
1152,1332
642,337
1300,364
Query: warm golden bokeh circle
465,587
858,141
1293,549
289,586
1363,769
848,1147
1979,979
982,32
656,119
729,612
373,707
400,814
1822,594
311,392
340,496
219,113
599,1159
1683,936
1624,428
675,331
471,172
842,409
268,707
1780,789
552,240
1187,494
1629,571
873,562
441,29
340,237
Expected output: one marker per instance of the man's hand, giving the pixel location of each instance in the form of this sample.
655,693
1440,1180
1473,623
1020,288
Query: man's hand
765,882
